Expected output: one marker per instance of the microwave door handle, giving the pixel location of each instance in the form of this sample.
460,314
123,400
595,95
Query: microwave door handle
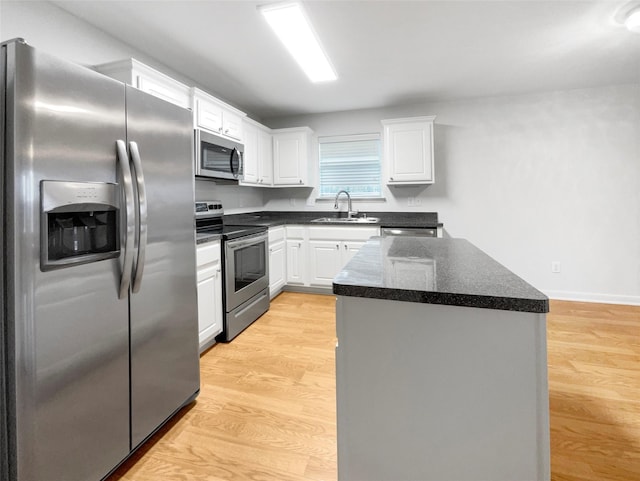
235,152
129,234
141,228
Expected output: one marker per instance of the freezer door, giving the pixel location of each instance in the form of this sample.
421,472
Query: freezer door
164,320
67,331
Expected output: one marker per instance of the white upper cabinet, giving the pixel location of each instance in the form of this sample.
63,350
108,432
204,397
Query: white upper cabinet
291,156
147,79
258,154
216,116
408,150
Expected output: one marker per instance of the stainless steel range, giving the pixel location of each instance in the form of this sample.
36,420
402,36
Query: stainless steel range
245,268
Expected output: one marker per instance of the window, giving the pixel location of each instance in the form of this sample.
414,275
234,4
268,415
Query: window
351,163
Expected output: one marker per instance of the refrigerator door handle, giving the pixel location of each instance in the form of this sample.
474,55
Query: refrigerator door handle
141,228
127,185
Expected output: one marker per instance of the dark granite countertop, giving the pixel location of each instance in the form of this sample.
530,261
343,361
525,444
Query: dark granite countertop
387,219
435,271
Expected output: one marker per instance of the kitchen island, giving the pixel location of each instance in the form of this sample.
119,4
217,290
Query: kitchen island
441,366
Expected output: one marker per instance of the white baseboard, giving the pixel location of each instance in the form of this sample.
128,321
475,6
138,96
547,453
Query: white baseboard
593,297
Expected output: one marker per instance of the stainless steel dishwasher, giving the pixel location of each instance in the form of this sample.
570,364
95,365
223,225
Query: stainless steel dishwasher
409,231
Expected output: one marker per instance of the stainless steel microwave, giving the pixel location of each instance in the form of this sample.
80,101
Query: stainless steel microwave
218,157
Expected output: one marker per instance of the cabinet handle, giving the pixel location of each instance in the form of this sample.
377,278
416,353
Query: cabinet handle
226,131
299,244
301,181
219,129
337,246
390,178
345,247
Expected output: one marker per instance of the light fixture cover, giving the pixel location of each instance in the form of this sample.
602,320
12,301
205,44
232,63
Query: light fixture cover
292,27
633,21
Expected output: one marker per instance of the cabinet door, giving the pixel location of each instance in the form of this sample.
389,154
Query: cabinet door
162,89
409,152
277,266
350,249
216,327
209,304
296,261
209,116
289,158
232,125
265,158
251,155
324,262
209,292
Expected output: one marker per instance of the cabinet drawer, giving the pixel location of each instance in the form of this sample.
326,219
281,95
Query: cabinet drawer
207,272
207,253
276,234
295,232
343,233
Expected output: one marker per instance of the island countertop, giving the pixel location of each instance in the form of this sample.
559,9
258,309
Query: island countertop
435,271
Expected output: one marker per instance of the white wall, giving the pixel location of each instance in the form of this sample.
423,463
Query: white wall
51,29
530,180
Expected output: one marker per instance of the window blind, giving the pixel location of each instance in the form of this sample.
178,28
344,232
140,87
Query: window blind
350,163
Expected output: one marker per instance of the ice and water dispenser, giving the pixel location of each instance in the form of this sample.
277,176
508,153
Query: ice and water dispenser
79,223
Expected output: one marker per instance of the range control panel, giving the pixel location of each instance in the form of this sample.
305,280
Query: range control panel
209,208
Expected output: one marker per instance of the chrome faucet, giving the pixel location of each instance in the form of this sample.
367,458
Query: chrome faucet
350,211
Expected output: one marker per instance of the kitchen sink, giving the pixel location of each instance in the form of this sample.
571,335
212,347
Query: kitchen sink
347,220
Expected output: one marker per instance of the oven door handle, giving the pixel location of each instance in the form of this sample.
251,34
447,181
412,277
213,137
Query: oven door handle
245,241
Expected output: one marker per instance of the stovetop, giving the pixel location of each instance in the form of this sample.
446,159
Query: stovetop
209,221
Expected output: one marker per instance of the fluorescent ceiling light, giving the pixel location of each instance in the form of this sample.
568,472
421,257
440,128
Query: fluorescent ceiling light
633,21
292,27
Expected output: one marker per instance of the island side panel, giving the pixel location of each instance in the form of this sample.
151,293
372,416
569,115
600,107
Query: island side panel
443,393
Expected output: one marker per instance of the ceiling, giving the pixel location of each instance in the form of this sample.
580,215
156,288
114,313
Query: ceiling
385,52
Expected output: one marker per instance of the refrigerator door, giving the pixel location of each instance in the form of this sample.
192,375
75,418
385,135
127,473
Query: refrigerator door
164,321
67,338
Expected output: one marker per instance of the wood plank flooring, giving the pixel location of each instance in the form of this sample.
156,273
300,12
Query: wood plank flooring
594,391
266,409
267,405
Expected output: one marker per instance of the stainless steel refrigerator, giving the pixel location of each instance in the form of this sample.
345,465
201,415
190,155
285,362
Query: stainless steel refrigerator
99,341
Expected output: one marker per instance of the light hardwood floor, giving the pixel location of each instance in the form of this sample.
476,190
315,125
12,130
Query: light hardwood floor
266,411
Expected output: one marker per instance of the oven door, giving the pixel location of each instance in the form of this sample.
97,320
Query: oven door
246,268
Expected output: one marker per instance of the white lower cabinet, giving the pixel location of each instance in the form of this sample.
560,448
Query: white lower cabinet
209,276
296,255
311,256
330,248
325,260
277,260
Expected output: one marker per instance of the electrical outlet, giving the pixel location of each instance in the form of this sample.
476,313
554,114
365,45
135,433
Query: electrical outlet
555,267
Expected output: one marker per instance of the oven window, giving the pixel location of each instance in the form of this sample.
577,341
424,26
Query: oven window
250,265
